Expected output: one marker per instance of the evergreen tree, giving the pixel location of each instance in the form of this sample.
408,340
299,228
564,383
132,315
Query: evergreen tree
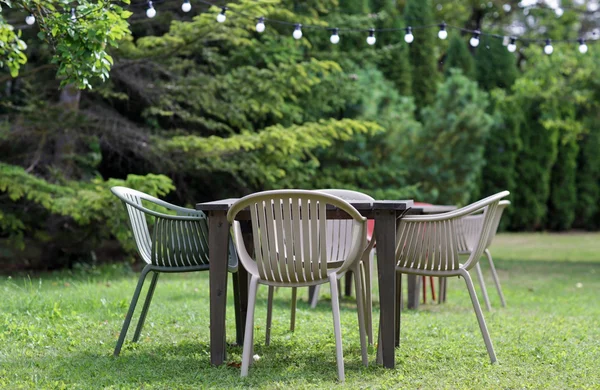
563,190
588,177
355,7
534,164
447,154
422,52
393,54
495,66
502,149
459,56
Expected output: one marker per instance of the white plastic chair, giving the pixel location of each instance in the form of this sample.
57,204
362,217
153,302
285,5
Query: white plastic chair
367,259
430,245
178,243
293,248
471,225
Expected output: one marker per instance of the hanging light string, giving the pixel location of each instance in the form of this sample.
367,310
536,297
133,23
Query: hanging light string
336,31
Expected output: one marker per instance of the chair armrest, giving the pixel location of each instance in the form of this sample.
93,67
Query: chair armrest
183,214
472,208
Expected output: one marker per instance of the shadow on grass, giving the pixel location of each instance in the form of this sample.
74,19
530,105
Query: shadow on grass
187,364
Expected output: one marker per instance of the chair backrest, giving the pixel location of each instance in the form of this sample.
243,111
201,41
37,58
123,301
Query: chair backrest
176,241
340,229
292,241
434,242
471,226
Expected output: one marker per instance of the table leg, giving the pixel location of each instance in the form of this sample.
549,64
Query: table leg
218,235
386,240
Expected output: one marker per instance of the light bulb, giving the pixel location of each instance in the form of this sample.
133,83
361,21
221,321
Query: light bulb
260,26
443,34
73,17
30,19
371,38
335,38
221,16
512,46
297,34
474,41
548,49
409,37
150,12
186,6
582,46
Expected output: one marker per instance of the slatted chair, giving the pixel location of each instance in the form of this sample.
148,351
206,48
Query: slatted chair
430,245
339,226
471,224
293,248
177,243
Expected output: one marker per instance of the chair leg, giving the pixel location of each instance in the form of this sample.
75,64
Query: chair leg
479,314
315,297
337,328
269,315
361,315
293,316
495,277
249,336
134,300
368,295
142,320
486,299
432,288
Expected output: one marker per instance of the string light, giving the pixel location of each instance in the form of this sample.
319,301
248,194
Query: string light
409,37
512,46
150,12
260,26
443,34
297,34
582,46
474,41
30,19
221,16
371,38
548,49
335,38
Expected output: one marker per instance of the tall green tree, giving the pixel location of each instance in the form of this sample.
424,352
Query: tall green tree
495,66
393,53
563,189
502,149
447,154
422,52
459,57
588,176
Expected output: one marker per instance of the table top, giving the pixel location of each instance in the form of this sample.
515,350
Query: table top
360,205
432,209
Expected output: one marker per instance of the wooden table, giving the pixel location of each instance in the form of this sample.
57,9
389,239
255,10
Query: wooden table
385,213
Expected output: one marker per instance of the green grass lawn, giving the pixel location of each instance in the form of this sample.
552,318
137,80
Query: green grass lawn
59,330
